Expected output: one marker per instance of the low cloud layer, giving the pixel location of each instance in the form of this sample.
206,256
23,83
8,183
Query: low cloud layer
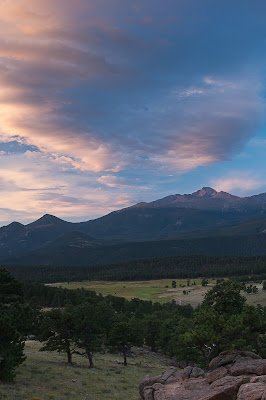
94,89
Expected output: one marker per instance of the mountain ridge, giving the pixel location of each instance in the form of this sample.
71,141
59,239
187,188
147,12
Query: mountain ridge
207,198
67,254
203,213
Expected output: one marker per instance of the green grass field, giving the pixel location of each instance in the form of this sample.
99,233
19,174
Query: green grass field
160,290
46,376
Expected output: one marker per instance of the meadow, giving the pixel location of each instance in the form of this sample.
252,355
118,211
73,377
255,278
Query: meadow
160,290
46,376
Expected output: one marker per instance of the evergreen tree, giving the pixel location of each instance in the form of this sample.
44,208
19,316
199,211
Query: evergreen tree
12,331
223,322
56,331
91,322
124,333
225,297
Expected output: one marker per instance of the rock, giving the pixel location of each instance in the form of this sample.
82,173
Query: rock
252,391
187,372
148,393
258,379
227,386
224,358
227,357
250,354
233,375
197,372
148,382
182,364
248,365
216,374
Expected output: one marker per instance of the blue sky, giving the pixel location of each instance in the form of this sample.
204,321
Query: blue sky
108,103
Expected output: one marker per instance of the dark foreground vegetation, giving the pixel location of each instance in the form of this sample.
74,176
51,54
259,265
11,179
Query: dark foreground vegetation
82,322
148,269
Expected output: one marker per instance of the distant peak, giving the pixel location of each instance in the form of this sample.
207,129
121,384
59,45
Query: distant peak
47,219
205,192
14,225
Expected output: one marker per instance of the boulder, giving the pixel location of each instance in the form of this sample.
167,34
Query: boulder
233,375
252,391
248,365
216,374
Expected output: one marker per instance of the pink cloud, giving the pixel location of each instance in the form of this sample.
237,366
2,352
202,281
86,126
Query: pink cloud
238,181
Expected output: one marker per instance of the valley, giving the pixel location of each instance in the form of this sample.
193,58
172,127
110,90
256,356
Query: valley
161,290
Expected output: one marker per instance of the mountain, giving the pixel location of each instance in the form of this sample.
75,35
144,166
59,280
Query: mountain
16,238
147,223
209,199
63,253
204,213
243,228
74,240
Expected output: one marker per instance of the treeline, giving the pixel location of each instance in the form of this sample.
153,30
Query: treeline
146,269
82,322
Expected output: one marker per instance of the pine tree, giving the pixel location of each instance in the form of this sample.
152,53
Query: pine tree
56,331
12,338
91,323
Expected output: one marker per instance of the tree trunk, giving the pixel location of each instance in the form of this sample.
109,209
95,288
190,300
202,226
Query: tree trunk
259,346
125,355
207,355
89,354
69,357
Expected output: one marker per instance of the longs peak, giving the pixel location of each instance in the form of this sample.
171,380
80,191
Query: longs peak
205,192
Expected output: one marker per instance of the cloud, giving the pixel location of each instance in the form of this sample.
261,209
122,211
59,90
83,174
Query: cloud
113,181
31,186
63,65
91,89
238,182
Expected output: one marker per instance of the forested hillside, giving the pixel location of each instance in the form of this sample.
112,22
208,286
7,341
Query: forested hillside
146,269
204,222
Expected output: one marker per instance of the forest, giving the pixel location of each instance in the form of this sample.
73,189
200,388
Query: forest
81,322
147,269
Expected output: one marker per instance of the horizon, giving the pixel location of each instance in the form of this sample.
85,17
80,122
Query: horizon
111,103
77,221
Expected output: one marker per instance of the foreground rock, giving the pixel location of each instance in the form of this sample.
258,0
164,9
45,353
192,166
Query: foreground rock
232,376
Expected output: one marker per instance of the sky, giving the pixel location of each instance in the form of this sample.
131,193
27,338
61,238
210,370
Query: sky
107,103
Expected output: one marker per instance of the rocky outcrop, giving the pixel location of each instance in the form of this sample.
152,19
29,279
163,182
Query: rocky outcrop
232,376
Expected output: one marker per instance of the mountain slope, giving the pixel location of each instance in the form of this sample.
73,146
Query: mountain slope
16,238
143,223
255,226
58,253
209,199
205,212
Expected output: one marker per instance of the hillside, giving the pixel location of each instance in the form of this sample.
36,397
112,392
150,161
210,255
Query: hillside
62,253
202,214
255,226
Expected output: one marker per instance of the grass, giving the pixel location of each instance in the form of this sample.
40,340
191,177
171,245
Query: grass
154,290
46,376
160,290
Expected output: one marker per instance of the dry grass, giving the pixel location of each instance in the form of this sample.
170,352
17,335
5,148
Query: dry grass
47,376
154,290
256,298
160,290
